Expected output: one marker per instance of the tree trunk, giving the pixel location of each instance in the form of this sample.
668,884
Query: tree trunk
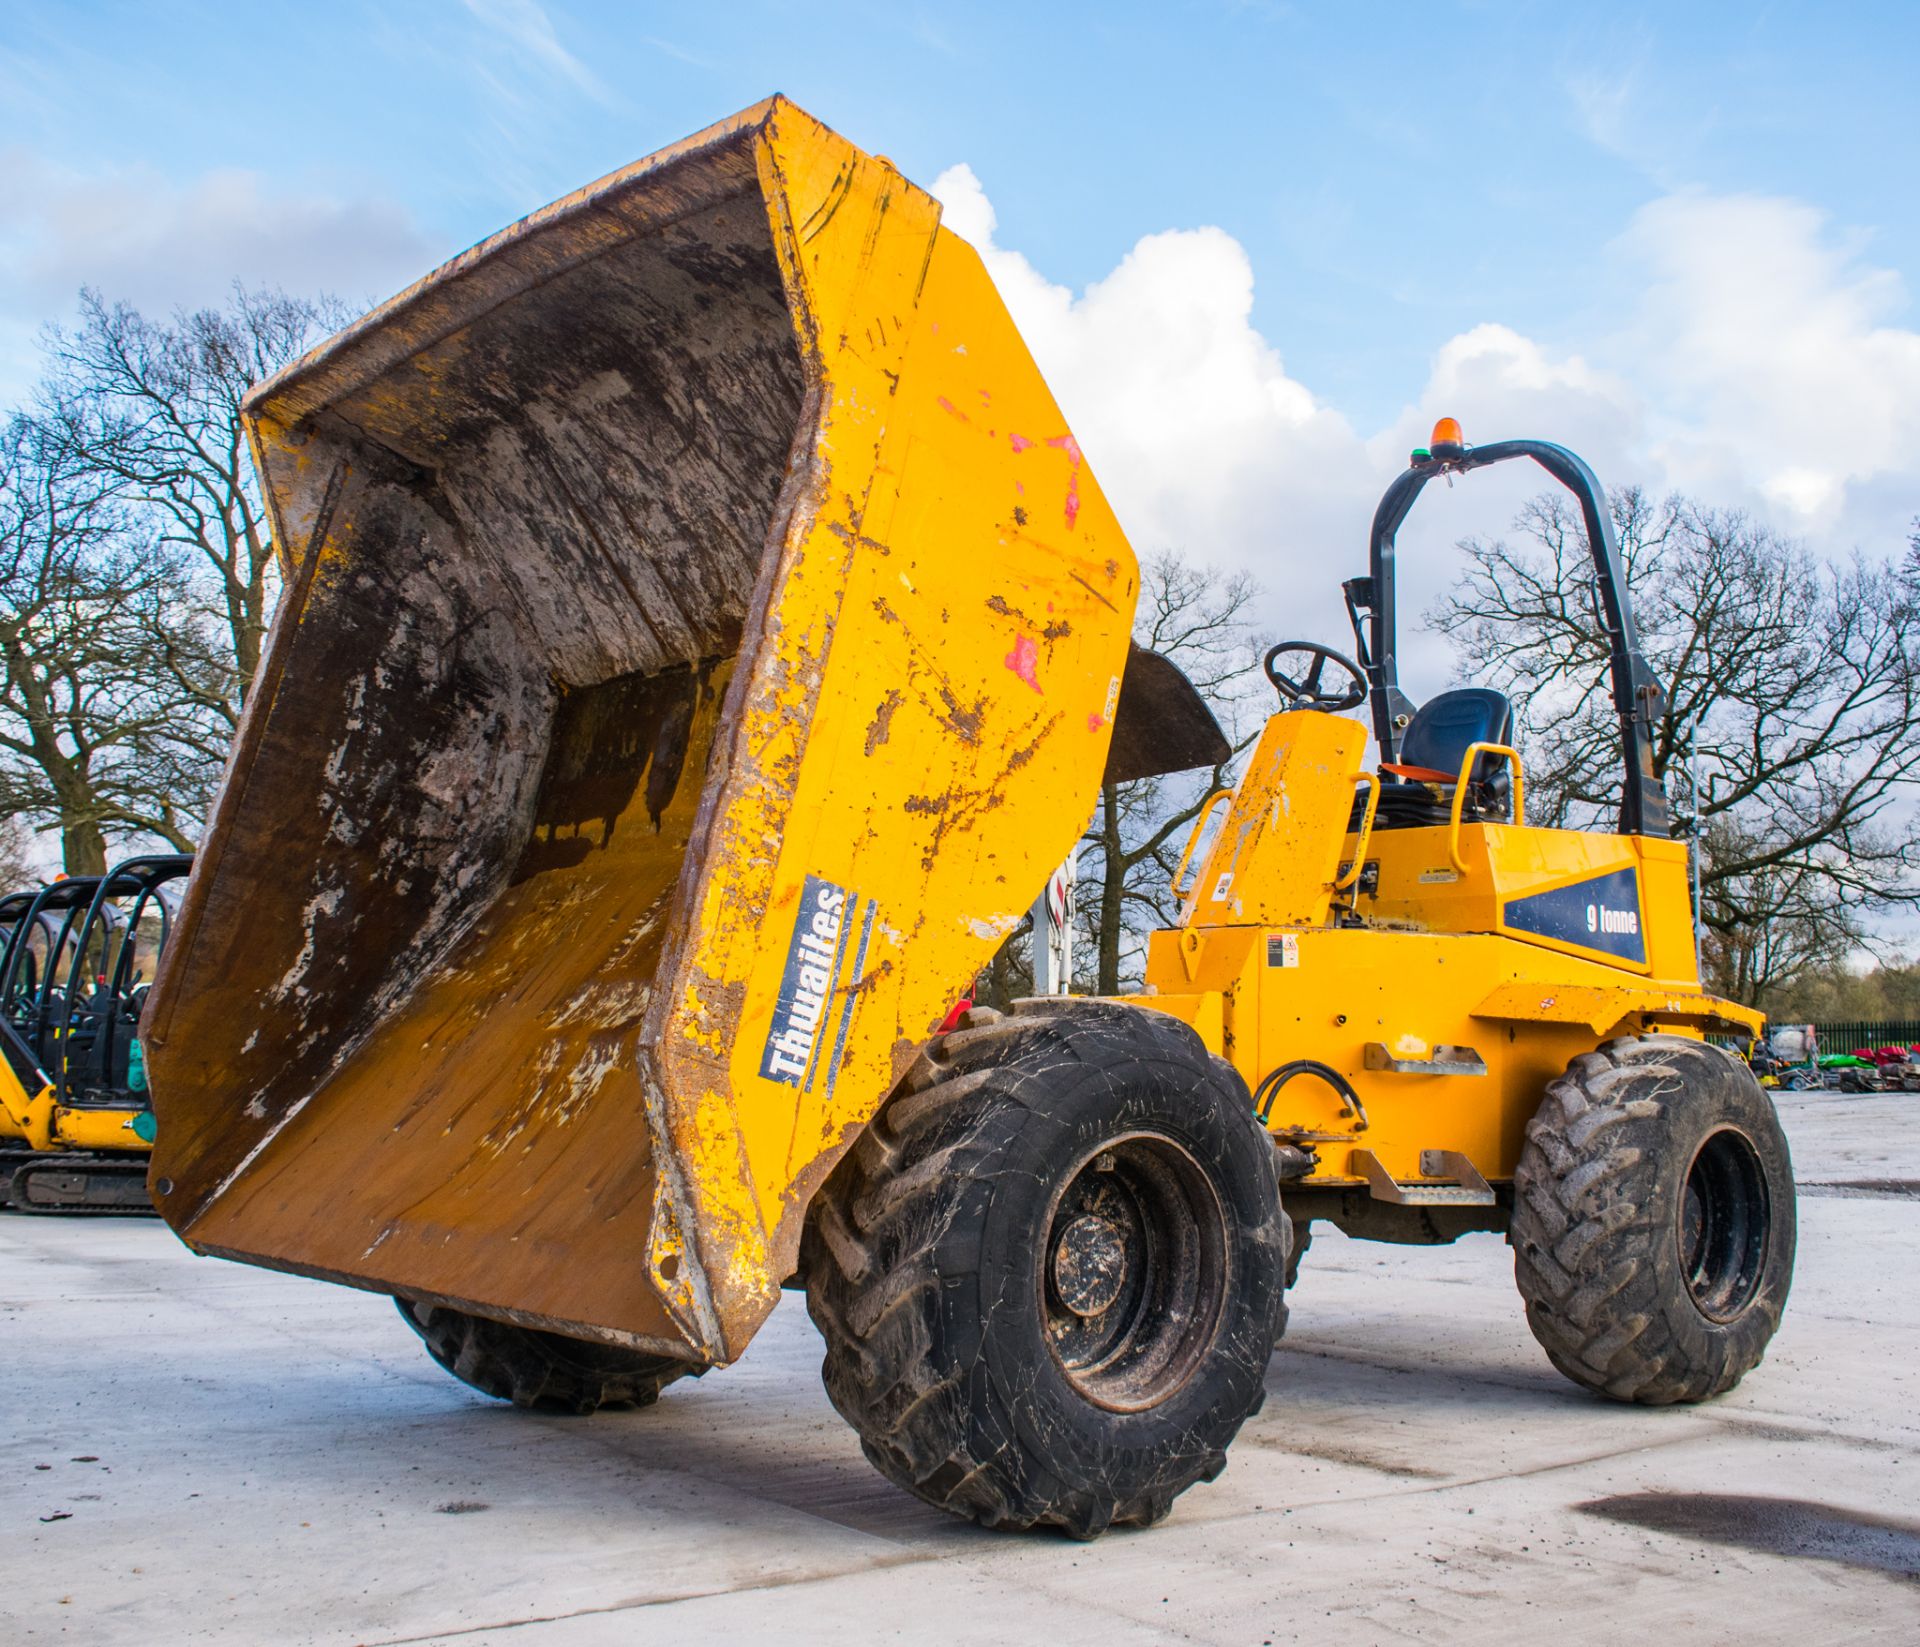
83,849
1113,887
83,844
1007,977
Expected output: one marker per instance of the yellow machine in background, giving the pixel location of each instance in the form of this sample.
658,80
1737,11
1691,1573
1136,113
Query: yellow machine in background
76,1118
26,1094
19,1072
1402,971
39,944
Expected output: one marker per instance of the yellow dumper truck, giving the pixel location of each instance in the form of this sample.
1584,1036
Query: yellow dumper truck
702,637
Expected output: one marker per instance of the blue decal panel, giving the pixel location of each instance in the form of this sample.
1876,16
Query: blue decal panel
814,1013
800,1019
1601,914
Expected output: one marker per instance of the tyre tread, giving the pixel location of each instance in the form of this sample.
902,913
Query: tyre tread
1597,1300
871,1247
536,1369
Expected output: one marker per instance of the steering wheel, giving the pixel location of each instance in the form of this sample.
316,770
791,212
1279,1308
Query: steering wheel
1299,683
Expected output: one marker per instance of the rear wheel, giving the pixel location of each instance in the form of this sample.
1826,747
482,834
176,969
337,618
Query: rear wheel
1049,1274
1653,1225
545,1370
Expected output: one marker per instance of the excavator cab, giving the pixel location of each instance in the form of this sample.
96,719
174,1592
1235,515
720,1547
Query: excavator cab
38,961
18,922
1452,1021
38,932
13,910
21,1078
109,974
74,982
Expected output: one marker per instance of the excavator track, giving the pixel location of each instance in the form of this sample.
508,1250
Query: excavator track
10,1159
78,1183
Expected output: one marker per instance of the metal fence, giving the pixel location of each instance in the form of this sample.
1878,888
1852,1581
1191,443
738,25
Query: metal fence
1851,1037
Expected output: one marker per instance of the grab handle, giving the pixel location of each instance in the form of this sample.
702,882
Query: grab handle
1193,840
1372,782
1474,752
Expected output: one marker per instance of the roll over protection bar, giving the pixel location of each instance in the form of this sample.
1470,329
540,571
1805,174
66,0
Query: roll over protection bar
1638,696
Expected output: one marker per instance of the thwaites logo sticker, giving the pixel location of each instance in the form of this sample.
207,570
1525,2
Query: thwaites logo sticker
815,1006
1602,914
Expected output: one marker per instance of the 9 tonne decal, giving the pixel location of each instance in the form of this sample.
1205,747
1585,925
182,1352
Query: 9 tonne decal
1602,914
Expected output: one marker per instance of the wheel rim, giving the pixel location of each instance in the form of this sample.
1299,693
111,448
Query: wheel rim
1724,1218
1134,1272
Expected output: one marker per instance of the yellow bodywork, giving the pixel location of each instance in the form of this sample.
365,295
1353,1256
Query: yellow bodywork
1418,981
43,1124
24,1116
37,1119
732,465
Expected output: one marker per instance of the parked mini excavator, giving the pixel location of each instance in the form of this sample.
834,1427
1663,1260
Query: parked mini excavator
75,977
702,638
41,941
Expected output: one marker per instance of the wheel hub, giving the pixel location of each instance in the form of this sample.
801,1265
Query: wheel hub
1723,1225
1089,1265
1134,1272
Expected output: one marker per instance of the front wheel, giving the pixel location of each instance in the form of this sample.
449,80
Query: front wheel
1653,1223
1049,1274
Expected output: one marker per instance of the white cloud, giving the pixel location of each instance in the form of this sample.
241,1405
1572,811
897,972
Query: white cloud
525,30
1764,344
1199,436
1501,384
158,244
1752,362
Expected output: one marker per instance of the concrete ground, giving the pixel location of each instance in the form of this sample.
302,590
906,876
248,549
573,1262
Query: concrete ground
195,1451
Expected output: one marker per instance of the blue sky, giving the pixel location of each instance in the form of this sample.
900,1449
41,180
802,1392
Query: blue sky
1678,237
1397,173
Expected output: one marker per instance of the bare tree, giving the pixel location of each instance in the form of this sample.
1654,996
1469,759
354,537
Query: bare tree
139,573
88,726
154,407
17,872
1792,727
1201,618
1008,977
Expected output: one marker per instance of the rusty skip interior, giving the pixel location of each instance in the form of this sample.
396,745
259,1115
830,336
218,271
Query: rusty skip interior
464,799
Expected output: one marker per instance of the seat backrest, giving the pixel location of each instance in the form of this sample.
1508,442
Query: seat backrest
1442,729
